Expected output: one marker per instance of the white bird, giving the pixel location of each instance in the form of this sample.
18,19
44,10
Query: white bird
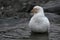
39,22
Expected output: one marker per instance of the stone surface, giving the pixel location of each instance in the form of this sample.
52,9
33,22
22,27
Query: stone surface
54,18
52,6
14,8
11,8
14,28
54,32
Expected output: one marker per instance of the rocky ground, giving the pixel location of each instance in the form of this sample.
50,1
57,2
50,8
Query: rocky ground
17,29
14,18
54,33
54,30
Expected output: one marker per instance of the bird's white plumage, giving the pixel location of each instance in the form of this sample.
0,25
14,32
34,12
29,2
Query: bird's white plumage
39,22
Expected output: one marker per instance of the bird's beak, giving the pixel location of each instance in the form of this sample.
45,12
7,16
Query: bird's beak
32,12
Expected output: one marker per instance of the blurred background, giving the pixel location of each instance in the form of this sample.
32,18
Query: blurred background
14,12
22,8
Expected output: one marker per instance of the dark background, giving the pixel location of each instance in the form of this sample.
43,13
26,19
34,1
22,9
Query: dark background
22,8
15,16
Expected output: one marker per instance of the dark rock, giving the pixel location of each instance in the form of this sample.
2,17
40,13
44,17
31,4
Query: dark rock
10,8
54,32
52,6
54,18
14,28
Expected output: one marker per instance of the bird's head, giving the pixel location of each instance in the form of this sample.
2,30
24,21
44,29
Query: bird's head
36,9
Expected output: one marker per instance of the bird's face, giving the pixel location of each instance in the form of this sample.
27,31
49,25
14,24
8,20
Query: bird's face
35,10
